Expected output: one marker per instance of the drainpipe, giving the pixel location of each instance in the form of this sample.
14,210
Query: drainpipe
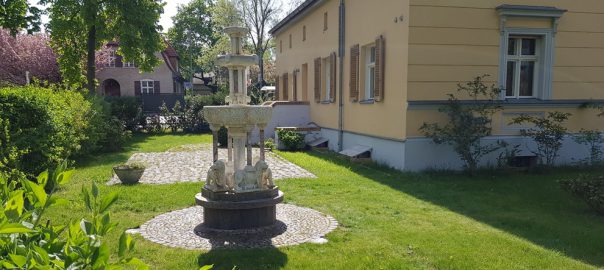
341,51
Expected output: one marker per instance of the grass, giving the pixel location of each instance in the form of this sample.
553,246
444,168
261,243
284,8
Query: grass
388,219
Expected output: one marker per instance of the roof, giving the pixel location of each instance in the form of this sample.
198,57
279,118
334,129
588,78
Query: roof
299,11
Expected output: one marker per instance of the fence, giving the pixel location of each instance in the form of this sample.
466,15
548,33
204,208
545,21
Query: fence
151,103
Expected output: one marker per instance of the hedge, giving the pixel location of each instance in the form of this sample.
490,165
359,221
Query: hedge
53,124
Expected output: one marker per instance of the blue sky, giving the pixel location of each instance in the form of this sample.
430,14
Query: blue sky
170,10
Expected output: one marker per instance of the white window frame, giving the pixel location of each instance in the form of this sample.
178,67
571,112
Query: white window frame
543,78
147,87
369,63
518,58
112,58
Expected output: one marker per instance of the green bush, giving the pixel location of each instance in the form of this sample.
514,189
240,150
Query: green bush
590,189
49,125
128,110
28,241
292,140
193,120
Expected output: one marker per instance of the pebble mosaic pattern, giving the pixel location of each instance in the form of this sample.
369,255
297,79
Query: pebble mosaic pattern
183,229
190,163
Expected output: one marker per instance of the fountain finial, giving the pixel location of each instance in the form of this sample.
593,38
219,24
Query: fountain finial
237,62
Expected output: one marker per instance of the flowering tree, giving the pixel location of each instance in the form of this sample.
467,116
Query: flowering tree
22,53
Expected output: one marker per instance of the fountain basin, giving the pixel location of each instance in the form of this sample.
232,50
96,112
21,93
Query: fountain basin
236,214
236,60
237,116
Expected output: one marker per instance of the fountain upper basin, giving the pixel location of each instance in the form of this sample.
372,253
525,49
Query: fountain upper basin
238,116
234,60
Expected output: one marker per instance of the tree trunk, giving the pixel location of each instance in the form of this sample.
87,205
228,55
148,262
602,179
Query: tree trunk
261,66
90,61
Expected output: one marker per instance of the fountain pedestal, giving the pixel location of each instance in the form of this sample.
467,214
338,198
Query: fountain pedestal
238,194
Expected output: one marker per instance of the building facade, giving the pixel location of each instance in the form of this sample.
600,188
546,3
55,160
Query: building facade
119,78
375,71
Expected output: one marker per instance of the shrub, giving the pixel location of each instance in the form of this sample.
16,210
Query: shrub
269,144
593,140
590,189
10,155
48,124
27,241
193,120
292,140
548,133
128,110
468,122
105,132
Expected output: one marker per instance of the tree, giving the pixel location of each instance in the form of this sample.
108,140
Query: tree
468,122
259,16
548,133
27,53
79,28
193,33
16,15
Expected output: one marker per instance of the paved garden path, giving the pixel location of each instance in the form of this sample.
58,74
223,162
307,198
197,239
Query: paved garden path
190,163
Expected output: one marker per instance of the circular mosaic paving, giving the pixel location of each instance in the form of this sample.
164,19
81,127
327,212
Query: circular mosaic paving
183,229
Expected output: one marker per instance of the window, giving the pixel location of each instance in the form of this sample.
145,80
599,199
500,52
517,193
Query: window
112,58
327,78
290,41
522,67
325,21
304,33
129,65
280,46
369,72
147,86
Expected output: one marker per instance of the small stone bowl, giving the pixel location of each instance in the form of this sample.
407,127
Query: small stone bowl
127,174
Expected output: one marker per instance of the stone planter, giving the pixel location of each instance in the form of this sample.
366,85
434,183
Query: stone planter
128,175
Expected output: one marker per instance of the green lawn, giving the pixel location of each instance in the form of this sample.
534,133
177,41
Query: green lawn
388,219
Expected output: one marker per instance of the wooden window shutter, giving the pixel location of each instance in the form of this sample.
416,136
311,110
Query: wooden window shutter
285,87
137,88
318,80
332,80
295,85
380,61
354,73
156,88
277,88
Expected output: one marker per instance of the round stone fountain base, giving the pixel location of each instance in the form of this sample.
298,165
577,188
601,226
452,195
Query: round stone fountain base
239,211
184,229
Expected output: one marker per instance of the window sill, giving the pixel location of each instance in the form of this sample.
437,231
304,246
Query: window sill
367,101
326,102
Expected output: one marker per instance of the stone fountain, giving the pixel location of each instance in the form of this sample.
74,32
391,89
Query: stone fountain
238,193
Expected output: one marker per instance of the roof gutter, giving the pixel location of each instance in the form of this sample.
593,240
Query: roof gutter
294,16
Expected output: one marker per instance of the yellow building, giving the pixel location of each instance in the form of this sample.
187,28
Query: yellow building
374,71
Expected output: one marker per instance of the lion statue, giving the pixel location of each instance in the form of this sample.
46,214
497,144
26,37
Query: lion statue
216,180
264,175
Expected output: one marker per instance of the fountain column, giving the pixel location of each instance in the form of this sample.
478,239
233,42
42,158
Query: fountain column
261,143
214,143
